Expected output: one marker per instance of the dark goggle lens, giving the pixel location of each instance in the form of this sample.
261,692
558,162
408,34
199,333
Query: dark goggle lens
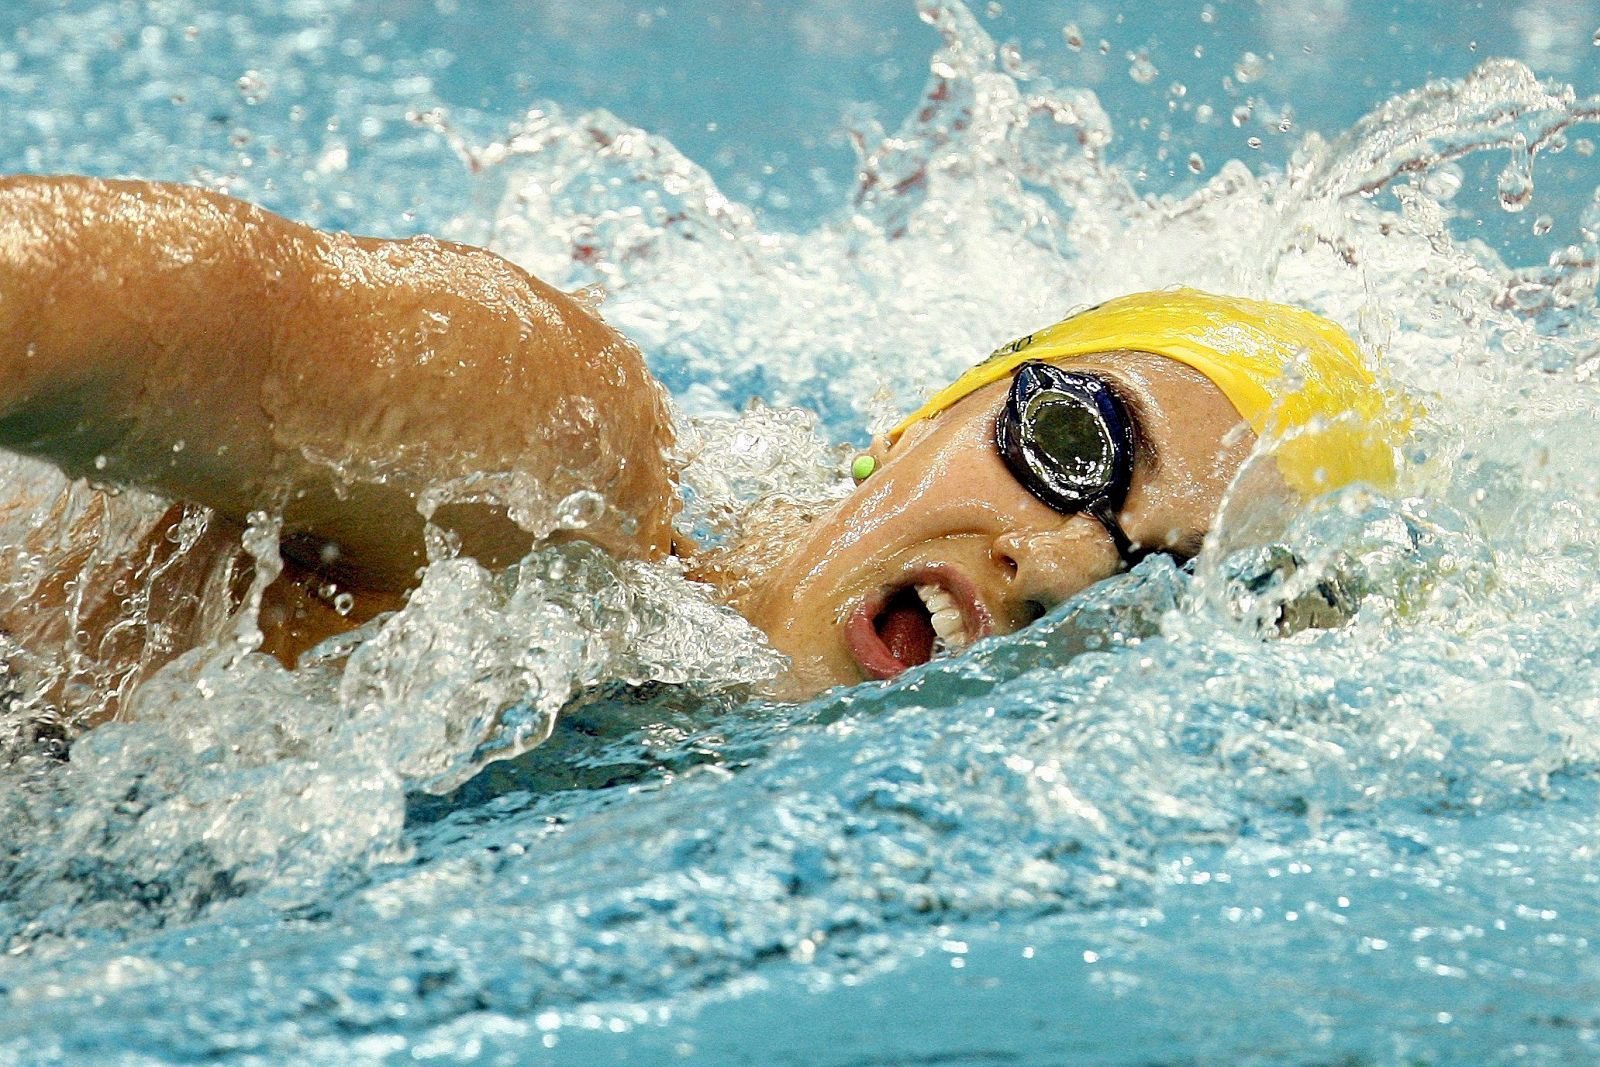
1065,438
1069,441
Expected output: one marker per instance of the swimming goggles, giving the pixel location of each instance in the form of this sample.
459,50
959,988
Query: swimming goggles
1070,442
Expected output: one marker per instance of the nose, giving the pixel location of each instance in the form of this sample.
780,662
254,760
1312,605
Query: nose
1048,566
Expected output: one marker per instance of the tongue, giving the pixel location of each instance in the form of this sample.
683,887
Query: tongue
907,630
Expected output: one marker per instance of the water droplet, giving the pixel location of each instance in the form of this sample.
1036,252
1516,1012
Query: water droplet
579,510
1516,183
1073,36
1543,225
1254,142
1196,164
1442,184
1249,68
1142,70
1241,114
1012,63
591,296
1589,220
252,86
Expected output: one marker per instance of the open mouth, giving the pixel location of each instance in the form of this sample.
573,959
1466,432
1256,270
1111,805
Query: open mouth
933,615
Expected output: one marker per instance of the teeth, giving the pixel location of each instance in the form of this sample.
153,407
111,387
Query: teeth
948,624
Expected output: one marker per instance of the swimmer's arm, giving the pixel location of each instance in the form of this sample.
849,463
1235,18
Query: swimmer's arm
181,341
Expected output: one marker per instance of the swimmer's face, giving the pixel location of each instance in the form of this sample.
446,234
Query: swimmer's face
942,545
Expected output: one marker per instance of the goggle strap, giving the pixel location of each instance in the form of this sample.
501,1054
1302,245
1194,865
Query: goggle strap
1101,511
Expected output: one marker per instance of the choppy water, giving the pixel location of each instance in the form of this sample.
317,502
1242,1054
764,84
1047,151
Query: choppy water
1151,829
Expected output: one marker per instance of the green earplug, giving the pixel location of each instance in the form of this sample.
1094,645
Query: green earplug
862,468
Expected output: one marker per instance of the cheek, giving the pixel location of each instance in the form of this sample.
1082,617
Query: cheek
1182,503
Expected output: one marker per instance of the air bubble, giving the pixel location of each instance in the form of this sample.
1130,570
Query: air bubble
1249,68
1254,142
1208,14
1177,90
1142,70
1241,114
1073,36
1583,146
99,463
344,603
1196,164
1204,114
1543,225
1596,38
994,10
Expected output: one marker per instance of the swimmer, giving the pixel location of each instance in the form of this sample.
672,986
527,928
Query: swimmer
179,341
1063,459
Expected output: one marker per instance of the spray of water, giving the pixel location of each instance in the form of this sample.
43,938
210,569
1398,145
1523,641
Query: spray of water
1422,652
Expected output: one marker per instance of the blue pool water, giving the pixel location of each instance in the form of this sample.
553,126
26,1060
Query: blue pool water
1151,829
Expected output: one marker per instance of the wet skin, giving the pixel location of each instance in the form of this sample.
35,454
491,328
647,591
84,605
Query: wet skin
942,509
172,339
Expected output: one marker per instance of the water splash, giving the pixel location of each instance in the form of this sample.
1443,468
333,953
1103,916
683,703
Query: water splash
1389,678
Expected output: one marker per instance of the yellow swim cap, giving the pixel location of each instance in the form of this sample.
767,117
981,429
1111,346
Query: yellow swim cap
1295,377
